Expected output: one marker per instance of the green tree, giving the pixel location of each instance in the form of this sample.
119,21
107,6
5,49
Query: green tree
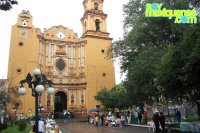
174,61
178,72
141,76
6,97
114,98
7,4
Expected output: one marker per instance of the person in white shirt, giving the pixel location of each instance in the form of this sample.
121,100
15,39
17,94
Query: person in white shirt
41,127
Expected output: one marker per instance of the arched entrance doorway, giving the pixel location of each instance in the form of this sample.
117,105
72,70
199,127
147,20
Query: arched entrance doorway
60,104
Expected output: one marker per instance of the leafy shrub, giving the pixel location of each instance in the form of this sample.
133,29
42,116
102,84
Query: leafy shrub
192,118
22,124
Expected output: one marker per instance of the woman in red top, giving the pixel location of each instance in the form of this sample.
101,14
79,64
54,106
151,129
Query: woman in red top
145,117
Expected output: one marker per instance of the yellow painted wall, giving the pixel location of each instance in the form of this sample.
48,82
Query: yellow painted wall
96,65
23,57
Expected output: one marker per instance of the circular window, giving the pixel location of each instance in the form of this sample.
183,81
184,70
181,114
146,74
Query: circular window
60,64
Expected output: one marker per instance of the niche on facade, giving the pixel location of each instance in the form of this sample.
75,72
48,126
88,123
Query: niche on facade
72,99
82,99
96,6
48,104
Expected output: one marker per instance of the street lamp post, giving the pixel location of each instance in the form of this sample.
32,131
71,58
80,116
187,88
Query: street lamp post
37,86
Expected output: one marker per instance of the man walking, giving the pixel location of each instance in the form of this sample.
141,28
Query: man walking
156,121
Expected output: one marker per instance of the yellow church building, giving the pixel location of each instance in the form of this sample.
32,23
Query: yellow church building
78,67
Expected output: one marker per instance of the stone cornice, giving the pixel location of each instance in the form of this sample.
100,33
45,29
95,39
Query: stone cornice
98,37
94,13
27,27
95,34
41,38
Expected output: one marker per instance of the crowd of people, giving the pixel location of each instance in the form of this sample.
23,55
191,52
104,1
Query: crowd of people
118,118
133,117
100,119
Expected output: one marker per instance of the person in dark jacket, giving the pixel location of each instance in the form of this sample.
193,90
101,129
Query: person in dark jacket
178,116
162,121
156,121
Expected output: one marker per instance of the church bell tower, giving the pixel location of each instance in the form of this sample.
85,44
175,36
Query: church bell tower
94,19
98,69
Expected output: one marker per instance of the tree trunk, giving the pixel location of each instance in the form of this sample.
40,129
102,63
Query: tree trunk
168,111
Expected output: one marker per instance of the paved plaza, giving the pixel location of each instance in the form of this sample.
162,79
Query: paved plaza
84,127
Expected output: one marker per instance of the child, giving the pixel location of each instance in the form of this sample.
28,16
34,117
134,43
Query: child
96,120
106,123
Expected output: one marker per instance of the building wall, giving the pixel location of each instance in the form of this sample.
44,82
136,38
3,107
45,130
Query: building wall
99,70
23,57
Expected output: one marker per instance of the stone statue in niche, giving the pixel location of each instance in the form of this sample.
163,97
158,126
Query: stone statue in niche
72,99
82,98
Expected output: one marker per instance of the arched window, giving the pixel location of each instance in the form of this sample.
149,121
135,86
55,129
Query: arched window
96,6
16,106
97,24
85,25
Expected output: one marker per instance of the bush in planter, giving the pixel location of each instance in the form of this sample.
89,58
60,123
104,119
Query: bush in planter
22,124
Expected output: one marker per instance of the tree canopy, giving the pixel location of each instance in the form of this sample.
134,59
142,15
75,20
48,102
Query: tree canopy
114,98
7,4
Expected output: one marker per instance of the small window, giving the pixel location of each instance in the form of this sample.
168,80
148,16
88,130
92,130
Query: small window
102,50
19,70
104,74
20,43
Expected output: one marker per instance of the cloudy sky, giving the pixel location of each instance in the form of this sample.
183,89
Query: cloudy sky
48,13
